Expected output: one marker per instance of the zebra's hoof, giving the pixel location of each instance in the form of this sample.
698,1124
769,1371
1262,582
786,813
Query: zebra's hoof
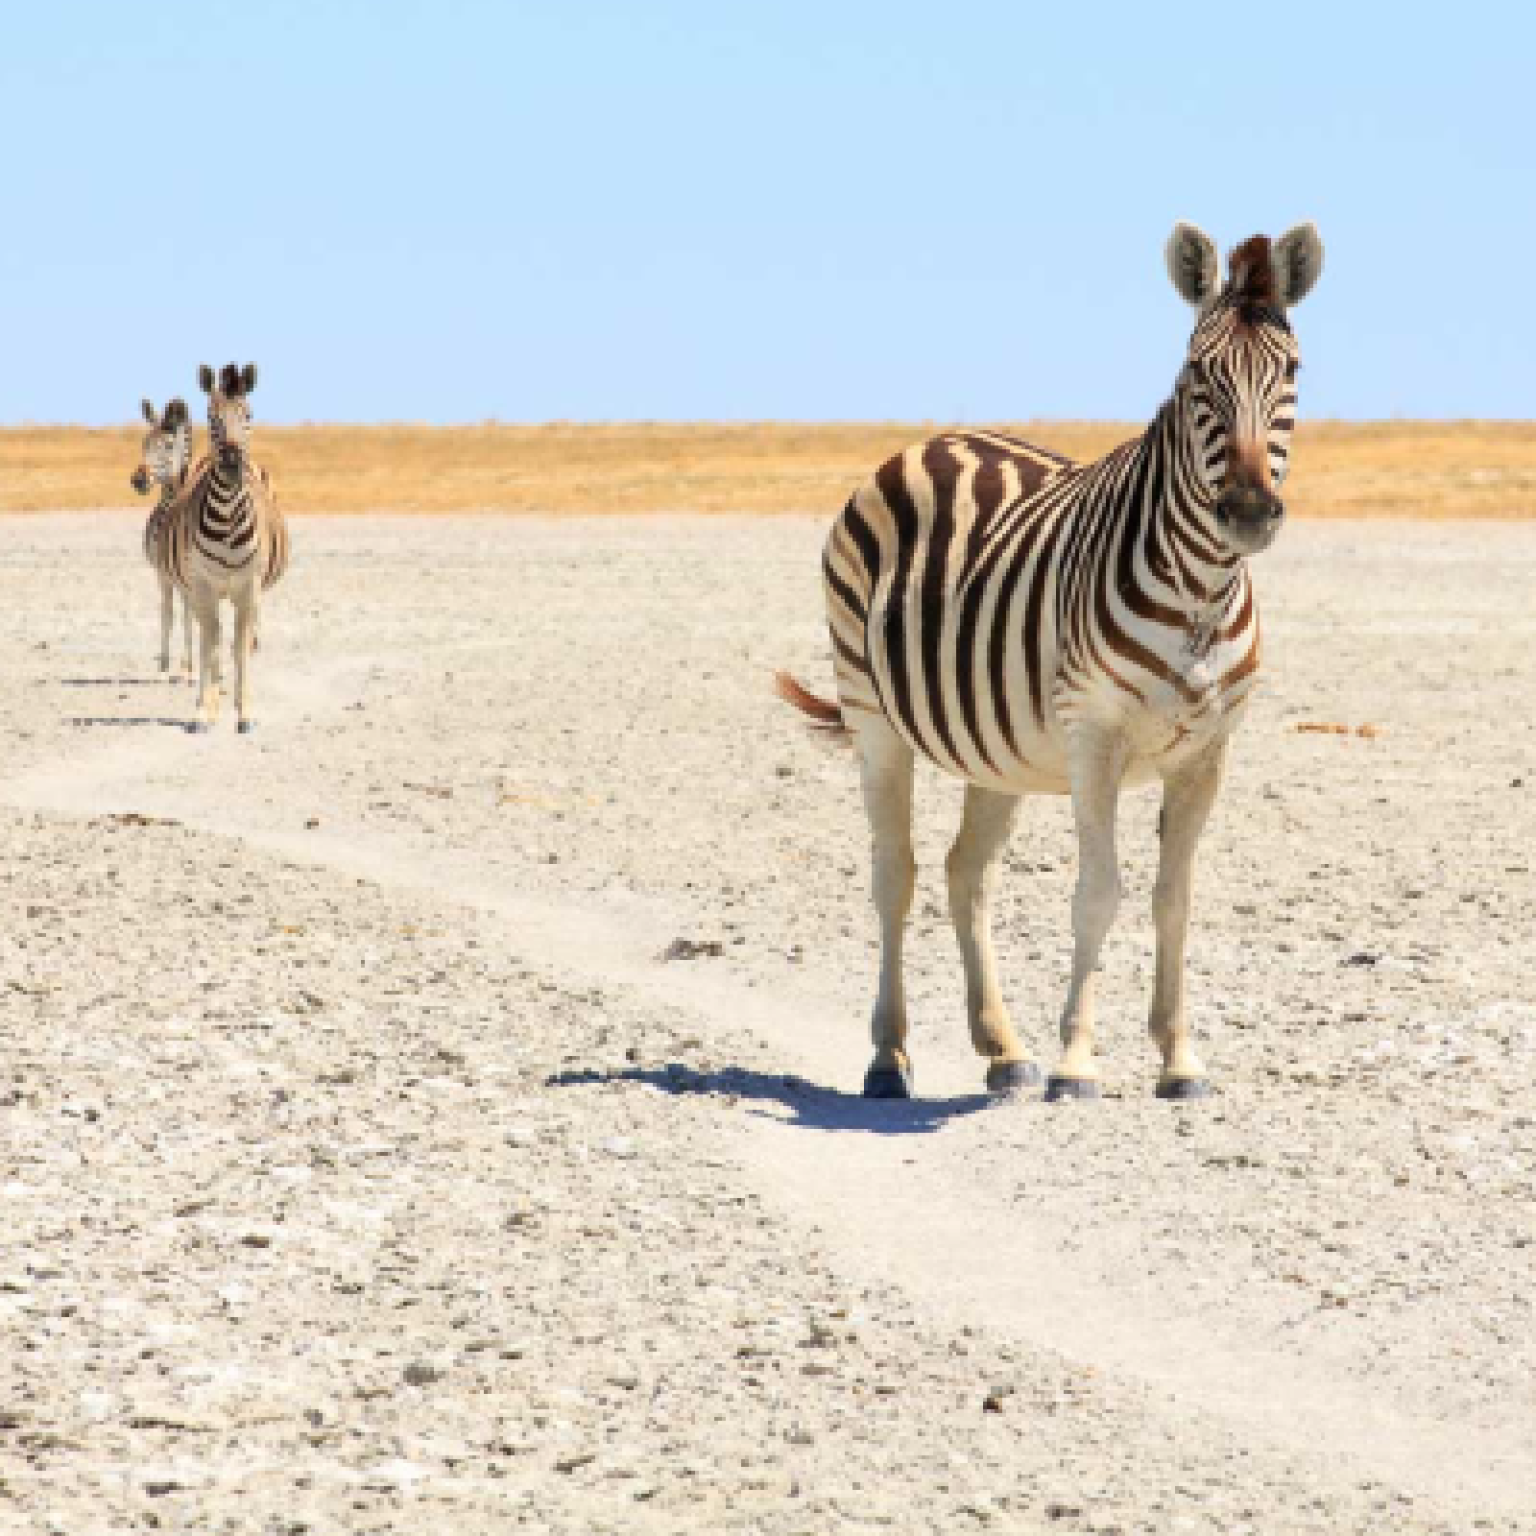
1058,1088
887,1083
1010,1076
1182,1089
246,727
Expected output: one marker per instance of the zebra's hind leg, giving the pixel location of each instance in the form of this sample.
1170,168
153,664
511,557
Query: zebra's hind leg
971,867
245,639
1098,764
207,665
1187,801
886,765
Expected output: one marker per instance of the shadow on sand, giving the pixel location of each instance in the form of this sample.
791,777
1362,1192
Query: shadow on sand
96,720
811,1106
164,680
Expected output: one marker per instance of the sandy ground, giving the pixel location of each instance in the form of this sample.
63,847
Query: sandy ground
366,1167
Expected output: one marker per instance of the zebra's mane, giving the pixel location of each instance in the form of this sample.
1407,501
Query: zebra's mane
1251,287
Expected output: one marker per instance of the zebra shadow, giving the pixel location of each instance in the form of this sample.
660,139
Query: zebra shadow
812,1106
162,681
90,722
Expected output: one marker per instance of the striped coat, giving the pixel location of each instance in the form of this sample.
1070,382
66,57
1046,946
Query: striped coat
983,594
1030,624
226,540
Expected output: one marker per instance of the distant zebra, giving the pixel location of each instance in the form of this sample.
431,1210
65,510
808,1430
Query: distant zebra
1034,625
225,539
164,460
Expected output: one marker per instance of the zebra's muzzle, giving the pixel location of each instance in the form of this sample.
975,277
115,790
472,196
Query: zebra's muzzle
1249,518
140,480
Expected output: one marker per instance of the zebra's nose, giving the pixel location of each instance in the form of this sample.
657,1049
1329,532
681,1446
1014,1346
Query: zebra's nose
1249,506
140,480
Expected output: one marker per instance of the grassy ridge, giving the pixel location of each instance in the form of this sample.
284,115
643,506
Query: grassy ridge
1342,469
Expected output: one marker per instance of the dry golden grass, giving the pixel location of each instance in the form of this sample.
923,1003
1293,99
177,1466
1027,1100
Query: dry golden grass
1378,469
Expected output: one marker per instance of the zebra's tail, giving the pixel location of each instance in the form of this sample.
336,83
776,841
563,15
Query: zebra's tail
821,714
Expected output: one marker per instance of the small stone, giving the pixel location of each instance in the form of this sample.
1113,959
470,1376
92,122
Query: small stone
692,949
621,1147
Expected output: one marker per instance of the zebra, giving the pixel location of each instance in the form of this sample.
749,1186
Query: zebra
226,539
164,459
1034,625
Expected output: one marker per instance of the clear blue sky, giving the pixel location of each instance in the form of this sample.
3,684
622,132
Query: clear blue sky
460,210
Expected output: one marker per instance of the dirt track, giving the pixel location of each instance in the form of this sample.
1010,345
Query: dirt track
366,1168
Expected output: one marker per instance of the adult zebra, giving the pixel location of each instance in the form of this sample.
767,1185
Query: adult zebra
1034,625
164,458
226,540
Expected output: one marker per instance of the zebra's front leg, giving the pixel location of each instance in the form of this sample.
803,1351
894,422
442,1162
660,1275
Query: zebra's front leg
886,766
1187,801
168,621
245,639
1097,766
207,665
187,666
971,867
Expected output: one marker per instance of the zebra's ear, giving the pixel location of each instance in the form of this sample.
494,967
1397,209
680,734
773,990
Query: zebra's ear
149,413
175,414
1298,259
1193,265
205,378
248,379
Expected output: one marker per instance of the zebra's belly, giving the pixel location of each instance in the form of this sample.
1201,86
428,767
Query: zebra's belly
1001,746
224,574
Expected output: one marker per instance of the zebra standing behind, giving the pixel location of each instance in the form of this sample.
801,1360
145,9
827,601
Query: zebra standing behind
164,460
226,540
1032,625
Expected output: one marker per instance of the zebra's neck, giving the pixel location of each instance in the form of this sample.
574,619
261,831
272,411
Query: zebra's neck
1180,544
